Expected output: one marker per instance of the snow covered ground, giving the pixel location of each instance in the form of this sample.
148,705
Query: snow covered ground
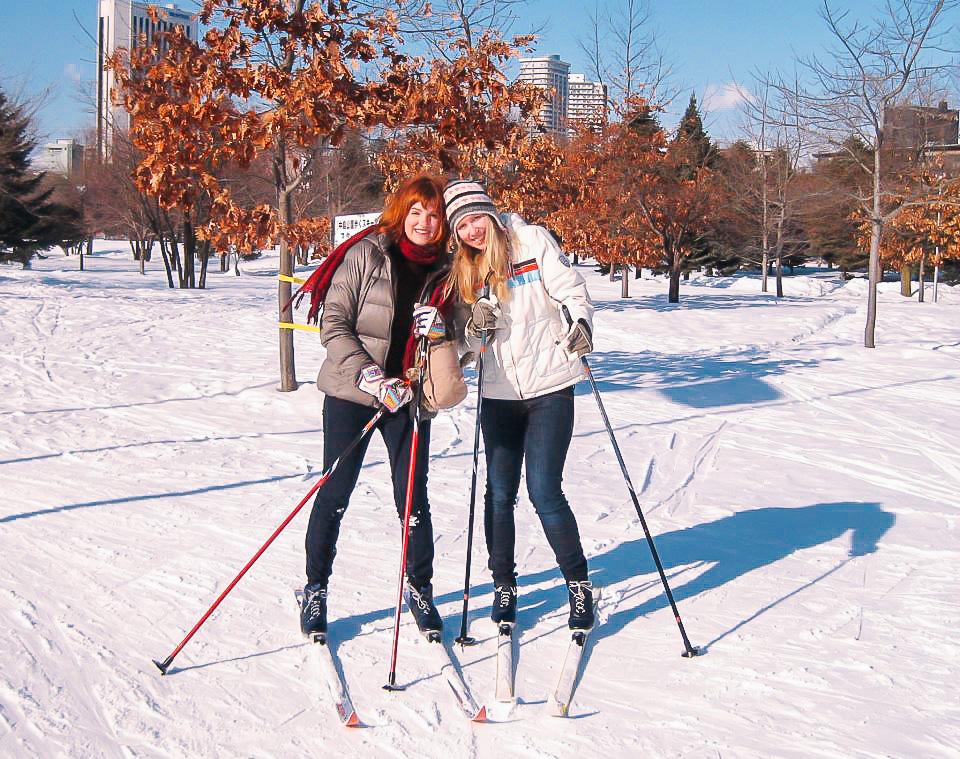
803,492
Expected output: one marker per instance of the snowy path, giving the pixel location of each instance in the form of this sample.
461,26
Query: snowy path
803,492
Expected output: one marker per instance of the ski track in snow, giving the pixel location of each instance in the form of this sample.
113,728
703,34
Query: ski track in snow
802,492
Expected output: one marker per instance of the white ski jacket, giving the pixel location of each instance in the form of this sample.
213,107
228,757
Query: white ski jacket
523,359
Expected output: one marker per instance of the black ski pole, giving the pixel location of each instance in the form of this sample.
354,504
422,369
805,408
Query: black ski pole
408,507
689,650
165,664
464,639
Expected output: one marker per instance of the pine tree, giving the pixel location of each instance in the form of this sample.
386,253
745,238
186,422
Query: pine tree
694,151
30,220
693,138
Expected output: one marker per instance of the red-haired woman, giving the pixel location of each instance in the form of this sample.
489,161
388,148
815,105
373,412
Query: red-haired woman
368,328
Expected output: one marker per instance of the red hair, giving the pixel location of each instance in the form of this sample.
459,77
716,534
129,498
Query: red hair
424,189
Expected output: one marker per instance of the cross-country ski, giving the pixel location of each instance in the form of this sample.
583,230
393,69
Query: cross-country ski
506,674
330,674
562,694
462,694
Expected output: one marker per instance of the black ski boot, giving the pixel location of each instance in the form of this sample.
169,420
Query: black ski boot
420,602
581,604
504,609
313,610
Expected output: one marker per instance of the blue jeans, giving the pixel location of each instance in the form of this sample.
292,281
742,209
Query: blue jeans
342,422
537,430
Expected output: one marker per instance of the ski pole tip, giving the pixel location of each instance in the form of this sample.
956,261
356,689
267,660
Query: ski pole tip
163,666
466,640
692,651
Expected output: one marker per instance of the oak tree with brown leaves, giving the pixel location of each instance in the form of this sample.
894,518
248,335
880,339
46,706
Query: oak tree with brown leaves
290,80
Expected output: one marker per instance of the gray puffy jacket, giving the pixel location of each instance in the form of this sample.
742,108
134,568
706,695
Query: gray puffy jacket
357,317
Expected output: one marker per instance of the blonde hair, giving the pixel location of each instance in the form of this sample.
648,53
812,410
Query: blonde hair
472,268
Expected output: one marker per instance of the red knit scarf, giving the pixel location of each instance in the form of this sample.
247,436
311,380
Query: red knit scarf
422,255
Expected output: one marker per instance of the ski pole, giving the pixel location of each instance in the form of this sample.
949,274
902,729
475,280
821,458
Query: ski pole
464,639
165,664
408,507
689,650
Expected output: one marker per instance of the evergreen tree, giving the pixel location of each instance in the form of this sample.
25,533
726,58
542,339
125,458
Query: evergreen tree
694,140
642,120
30,219
695,151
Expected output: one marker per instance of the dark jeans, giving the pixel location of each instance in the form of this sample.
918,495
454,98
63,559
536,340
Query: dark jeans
342,422
538,430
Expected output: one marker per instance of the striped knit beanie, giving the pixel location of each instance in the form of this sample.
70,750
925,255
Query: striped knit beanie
464,197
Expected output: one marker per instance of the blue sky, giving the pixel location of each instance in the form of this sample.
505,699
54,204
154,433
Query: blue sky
710,45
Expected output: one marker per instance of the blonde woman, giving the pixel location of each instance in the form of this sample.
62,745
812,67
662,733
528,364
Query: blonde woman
513,282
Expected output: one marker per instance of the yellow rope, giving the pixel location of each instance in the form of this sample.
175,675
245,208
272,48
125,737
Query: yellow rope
295,280
306,327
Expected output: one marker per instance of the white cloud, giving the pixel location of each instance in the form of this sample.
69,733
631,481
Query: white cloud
723,97
72,72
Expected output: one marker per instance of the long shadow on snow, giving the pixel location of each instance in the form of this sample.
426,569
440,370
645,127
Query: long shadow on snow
734,546
721,379
694,301
139,404
171,494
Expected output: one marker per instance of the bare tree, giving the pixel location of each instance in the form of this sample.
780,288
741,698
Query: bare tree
871,68
622,53
779,191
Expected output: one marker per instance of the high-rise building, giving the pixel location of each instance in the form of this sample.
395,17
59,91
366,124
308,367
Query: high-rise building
587,102
125,23
549,73
64,157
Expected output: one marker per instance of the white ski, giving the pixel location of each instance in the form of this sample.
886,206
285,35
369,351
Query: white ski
335,685
505,673
331,677
461,691
567,682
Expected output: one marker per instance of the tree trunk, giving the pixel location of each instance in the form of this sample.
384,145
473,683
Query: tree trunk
936,279
288,373
905,284
166,262
923,260
778,259
175,257
673,294
625,283
204,259
613,271
869,333
576,258
189,253
637,271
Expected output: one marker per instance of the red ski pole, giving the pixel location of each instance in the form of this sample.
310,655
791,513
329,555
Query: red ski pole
407,508
165,664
